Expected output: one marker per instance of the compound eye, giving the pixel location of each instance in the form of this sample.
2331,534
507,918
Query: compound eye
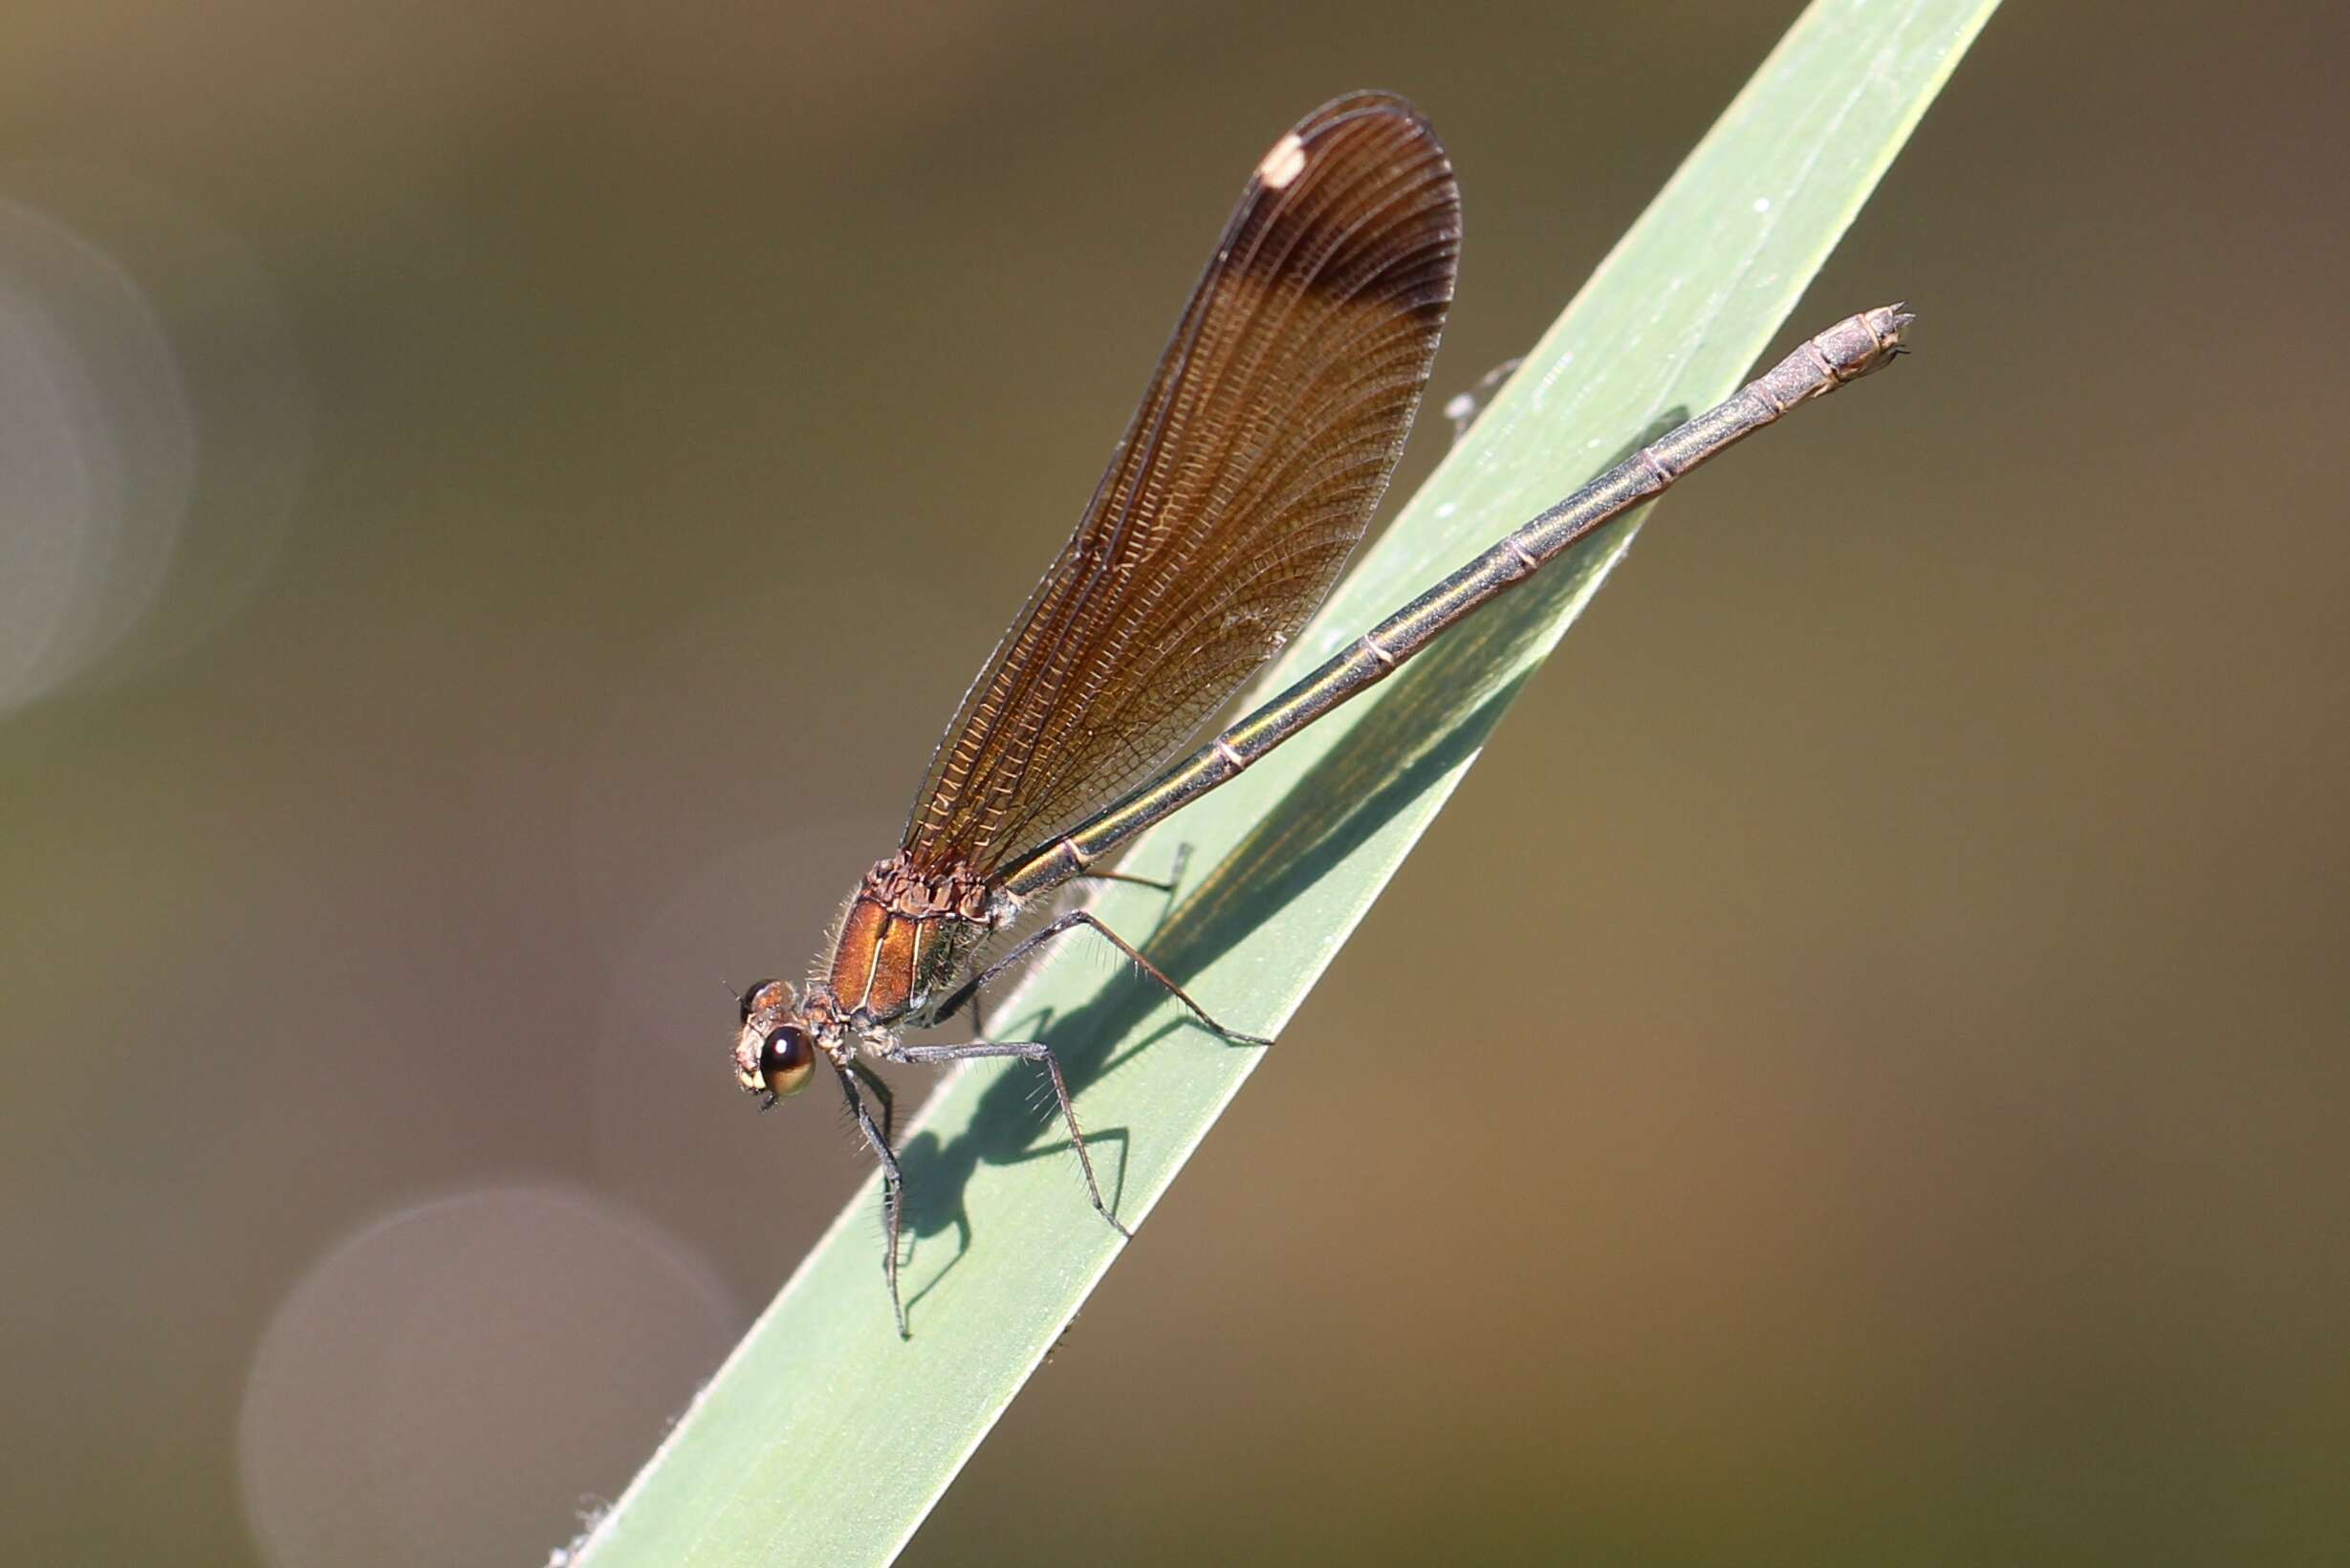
786,1060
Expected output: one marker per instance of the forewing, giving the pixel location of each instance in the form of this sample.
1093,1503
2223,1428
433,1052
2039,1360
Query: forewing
1247,475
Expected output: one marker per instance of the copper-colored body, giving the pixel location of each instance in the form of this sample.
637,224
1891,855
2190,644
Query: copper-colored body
904,940
1246,476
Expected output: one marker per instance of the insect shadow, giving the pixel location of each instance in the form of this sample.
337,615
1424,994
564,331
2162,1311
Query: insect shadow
1436,713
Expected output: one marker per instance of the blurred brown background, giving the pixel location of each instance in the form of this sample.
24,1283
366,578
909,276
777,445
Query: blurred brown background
446,452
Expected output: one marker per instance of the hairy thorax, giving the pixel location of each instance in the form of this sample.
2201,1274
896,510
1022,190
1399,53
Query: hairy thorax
904,938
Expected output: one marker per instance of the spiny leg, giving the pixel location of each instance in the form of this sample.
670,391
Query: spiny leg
1152,882
879,1088
1174,874
1069,923
927,1056
893,1184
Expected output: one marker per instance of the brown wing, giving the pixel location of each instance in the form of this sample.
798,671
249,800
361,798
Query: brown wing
1247,476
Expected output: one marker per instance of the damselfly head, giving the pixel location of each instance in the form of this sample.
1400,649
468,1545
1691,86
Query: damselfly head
775,1052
